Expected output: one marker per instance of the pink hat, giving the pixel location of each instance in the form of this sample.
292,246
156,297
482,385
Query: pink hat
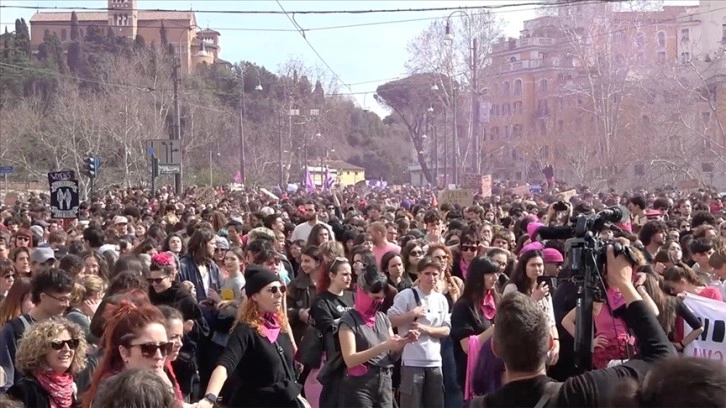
552,255
532,228
532,246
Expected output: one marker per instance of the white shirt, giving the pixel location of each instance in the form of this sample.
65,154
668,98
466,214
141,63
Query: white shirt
545,303
302,231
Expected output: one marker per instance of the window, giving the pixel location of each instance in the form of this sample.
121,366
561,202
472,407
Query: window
640,40
513,59
517,87
517,131
506,109
507,132
619,36
543,85
517,107
661,39
685,35
495,133
661,57
685,57
506,88
484,134
63,34
723,33
562,104
543,108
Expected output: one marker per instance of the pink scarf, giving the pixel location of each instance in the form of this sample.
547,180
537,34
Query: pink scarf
270,327
472,356
488,306
367,306
59,387
464,267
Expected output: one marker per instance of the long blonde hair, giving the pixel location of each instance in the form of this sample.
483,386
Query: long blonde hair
249,314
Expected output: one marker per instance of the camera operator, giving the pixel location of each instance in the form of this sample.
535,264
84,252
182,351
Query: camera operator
522,340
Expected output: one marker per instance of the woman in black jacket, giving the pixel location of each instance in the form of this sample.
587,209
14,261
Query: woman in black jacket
163,290
259,351
51,353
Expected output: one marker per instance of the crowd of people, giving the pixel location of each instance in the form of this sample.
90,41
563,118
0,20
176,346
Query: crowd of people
353,298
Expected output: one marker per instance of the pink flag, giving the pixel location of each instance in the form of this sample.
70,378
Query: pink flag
238,177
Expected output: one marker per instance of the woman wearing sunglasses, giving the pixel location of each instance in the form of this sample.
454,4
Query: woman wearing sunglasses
260,349
51,353
135,337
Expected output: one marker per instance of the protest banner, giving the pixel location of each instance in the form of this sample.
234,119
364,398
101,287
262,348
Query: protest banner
461,197
711,343
567,195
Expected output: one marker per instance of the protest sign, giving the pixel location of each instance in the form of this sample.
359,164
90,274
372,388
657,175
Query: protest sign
461,197
711,343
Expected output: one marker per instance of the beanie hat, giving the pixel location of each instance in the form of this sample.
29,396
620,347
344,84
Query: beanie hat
257,277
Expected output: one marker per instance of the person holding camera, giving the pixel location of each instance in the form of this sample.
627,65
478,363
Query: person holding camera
523,339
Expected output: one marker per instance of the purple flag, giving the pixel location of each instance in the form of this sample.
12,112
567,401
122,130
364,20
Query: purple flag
309,183
238,177
329,179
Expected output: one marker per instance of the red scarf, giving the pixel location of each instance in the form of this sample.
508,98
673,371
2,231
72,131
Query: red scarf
60,387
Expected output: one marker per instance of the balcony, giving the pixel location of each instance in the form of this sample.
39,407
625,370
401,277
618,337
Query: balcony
524,64
513,44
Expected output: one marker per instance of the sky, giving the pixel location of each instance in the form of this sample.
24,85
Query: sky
363,57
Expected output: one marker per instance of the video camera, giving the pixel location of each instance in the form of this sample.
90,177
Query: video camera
586,260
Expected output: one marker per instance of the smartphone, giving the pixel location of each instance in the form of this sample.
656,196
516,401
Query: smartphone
541,279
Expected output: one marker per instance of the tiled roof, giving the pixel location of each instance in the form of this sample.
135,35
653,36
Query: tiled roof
103,16
668,14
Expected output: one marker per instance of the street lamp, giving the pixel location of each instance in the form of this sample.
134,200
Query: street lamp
449,40
242,119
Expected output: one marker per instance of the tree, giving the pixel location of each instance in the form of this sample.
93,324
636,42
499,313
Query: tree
75,31
410,98
139,43
429,52
163,36
22,38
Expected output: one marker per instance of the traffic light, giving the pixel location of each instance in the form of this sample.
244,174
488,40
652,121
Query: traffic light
90,164
154,166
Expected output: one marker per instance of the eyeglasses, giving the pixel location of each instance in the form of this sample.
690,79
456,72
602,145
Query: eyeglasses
9,276
156,280
469,248
63,299
148,350
275,289
441,257
59,344
26,239
415,253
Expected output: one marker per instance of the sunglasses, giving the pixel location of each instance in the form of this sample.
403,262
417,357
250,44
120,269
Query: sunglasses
59,344
22,239
338,260
275,289
156,280
416,253
469,248
148,350
9,276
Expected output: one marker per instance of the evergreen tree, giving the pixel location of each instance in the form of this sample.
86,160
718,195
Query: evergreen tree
111,41
55,51
75,32
22,37
162,35
75,57
139,43
94,35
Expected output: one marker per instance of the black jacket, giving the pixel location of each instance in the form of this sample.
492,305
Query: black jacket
29,391
300,294
180,299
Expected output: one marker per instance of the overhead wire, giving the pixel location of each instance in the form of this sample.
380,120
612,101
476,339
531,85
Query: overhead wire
305,38
352,93
301,12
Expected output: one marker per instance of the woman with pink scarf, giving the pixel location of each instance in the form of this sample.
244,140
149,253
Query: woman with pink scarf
472,318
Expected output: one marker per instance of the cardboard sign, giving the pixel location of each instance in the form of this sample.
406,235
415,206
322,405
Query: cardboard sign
486,185
567,195
461,197
685,185
206,195
11,198
711,344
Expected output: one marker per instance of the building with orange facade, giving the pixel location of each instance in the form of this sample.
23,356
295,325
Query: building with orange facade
193,45
579,85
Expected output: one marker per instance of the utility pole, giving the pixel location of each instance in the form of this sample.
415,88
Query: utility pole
177,125
446,149
242,175
436,154
475,125
279,147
